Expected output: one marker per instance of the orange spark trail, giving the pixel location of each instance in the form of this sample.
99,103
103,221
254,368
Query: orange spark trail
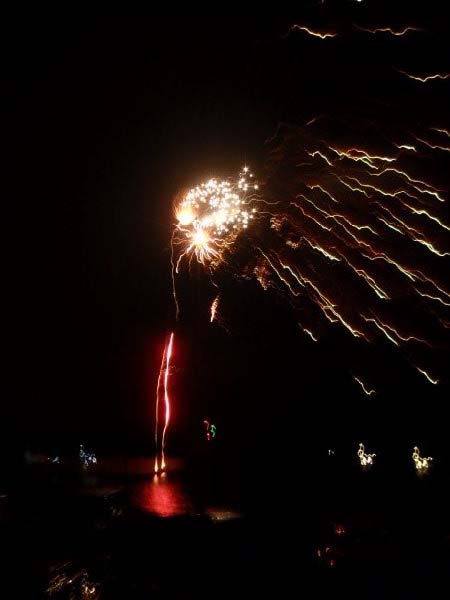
444,131
172,271
406,147
394,32
433,146
311,335
214,307
433,298
166,400
322,36
426,78
430,379
362,384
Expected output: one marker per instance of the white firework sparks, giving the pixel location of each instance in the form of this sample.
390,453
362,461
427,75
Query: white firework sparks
210,216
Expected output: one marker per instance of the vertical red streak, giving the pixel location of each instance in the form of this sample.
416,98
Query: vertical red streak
166,399
157,408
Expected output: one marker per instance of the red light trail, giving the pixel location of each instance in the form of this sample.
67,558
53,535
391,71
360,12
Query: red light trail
163,376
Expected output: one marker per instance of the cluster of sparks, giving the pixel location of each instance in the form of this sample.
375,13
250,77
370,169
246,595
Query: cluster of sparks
352,228
210,216
163,384
365,459
366,217
348,234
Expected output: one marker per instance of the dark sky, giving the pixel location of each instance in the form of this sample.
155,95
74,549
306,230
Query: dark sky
107,118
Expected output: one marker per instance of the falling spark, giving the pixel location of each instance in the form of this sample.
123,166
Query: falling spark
426,78
311,335
430,379
214,307
437,298
367,391
394,32
431,248
444,131
172,272
406,147
358,154
422,211
318,34
433,146
323,156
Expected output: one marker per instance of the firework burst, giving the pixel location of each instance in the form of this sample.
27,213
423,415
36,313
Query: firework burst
351,225
210,216
350,233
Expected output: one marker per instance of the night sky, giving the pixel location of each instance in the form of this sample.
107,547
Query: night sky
107,119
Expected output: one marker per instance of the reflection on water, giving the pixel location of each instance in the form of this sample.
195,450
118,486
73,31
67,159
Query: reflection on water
163,497
167,497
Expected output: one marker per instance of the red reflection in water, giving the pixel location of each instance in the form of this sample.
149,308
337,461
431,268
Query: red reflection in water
162,497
